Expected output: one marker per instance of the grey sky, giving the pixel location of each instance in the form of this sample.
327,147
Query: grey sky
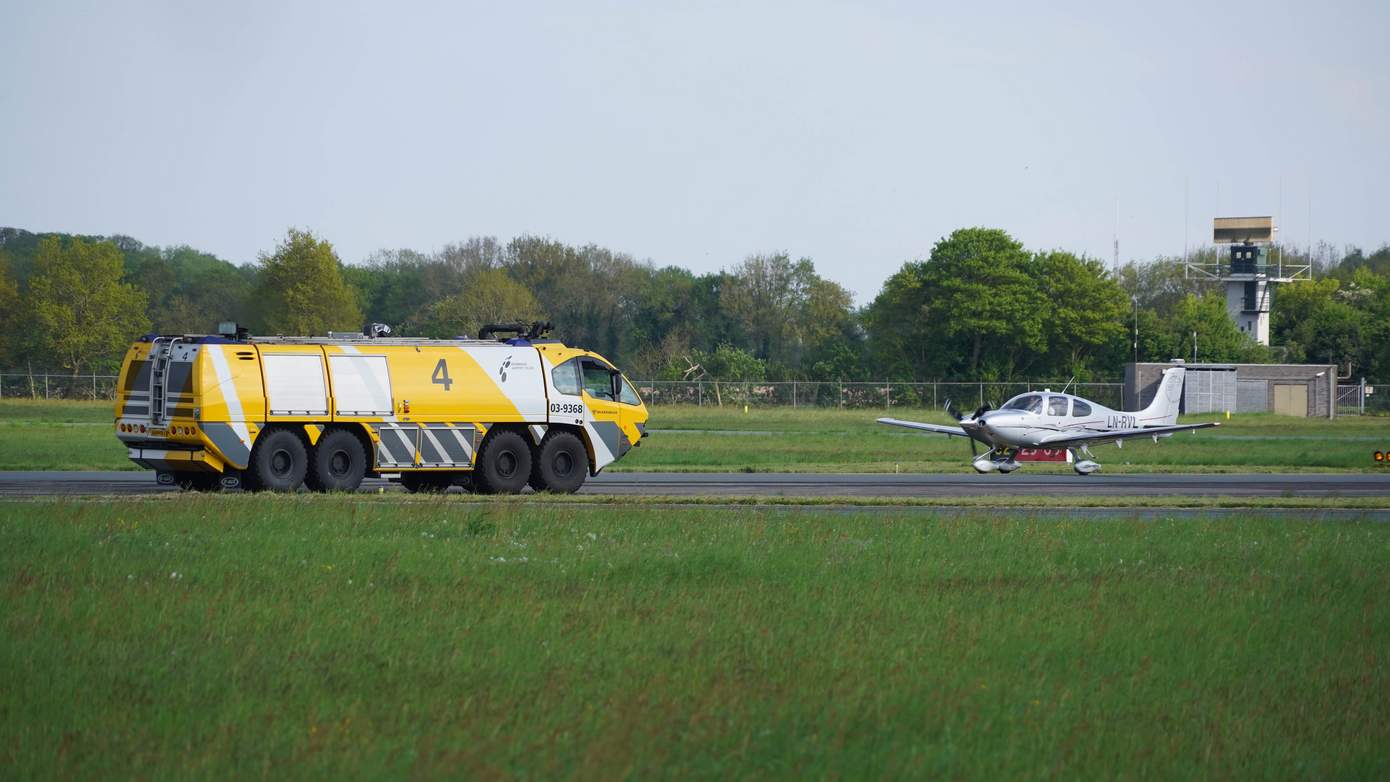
695,133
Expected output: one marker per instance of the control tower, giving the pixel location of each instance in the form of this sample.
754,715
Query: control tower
1248,272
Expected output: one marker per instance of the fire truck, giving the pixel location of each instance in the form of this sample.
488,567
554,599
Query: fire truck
495,414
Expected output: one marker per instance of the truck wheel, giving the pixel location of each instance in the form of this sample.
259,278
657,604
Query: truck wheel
561,465
338,463
427,482
504,464
279,461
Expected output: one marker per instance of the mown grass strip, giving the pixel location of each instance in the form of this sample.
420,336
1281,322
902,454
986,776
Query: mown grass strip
1020,502
41,435
308,637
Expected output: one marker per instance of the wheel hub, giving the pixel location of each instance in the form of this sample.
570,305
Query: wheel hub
280,462
506,464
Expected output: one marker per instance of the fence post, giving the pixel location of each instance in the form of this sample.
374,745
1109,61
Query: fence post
982,394
45,385
842,395
94,386
793,394
700,394
933,395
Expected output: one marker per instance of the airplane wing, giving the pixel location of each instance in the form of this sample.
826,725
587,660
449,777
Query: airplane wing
1068,439
949,431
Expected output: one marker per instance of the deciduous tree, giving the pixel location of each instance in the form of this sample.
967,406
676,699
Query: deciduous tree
1085,312
10,314
300,289
84,316
488,296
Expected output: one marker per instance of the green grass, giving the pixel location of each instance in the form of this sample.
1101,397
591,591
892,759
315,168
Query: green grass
1010,501
78,436
320,637
59,435
817,440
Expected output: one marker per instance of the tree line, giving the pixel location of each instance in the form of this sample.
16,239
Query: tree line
979,306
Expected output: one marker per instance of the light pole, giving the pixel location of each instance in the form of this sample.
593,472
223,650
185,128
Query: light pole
1135,300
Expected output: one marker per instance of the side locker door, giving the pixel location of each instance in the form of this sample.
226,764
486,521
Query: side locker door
447,445
396,445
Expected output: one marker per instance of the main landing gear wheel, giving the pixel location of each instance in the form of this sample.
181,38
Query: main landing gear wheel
561,465
427,482
279,461
338,463
504,464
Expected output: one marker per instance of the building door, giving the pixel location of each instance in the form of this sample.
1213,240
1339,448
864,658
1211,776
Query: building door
1291,399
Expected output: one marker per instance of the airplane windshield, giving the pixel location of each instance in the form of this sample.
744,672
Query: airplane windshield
1030,402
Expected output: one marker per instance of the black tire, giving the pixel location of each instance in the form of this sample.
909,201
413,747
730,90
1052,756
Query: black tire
279,461
337,463
561,463
427,482
504,464
199,481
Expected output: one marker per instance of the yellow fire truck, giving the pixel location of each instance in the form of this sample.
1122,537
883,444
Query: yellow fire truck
274,413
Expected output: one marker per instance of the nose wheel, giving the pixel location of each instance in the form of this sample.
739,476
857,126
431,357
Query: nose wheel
1001,461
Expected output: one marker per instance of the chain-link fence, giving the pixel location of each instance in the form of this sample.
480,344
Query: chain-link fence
1360,398
1352,398
52,385
885,395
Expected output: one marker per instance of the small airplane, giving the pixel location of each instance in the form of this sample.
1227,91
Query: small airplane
1044,419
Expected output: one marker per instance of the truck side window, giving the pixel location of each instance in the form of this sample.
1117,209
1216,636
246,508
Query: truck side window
598,380
566,377
628,394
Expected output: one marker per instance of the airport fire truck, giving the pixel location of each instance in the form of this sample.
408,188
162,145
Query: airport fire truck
495,413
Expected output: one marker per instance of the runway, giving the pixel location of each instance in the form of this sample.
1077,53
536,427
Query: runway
115,483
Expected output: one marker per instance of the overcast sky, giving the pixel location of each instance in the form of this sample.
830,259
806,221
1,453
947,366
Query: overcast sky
857,134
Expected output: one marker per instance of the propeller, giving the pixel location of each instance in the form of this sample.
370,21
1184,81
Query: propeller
981,410
951,409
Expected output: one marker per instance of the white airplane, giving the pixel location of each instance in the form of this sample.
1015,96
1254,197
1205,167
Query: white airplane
1044,419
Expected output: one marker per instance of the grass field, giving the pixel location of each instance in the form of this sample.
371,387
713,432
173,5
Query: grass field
816,440
249,636
78,436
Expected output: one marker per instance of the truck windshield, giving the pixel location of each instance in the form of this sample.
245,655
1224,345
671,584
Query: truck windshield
628,395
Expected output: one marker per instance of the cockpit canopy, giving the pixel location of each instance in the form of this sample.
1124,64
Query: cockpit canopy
1049,404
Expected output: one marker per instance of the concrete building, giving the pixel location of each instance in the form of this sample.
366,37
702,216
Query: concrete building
1287,389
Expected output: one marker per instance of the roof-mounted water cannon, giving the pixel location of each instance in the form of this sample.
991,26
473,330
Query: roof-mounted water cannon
374,330
234,331
528,332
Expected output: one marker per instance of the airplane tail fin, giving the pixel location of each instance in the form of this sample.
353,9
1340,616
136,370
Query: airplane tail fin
1163,411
